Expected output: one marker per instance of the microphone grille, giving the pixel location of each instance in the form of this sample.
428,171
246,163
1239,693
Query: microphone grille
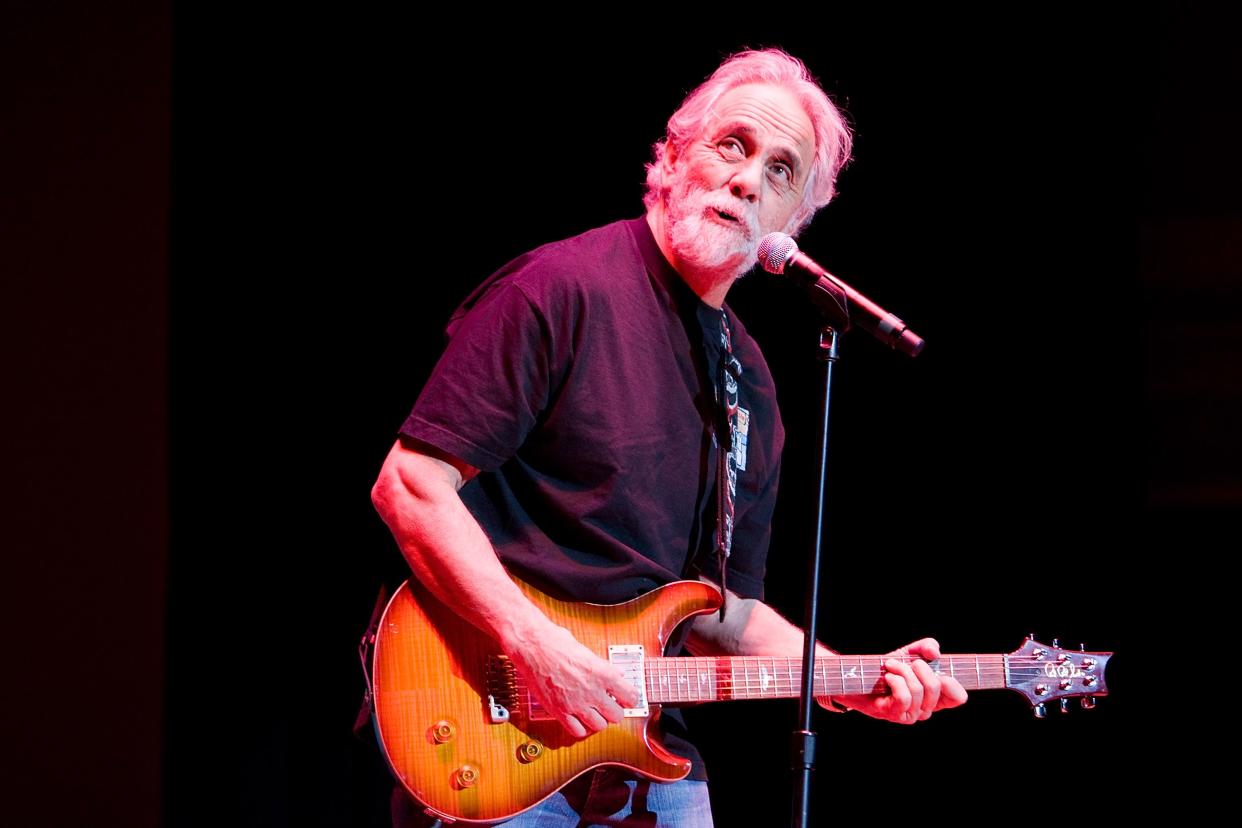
775,250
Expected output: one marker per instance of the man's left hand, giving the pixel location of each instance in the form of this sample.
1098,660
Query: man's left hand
914,691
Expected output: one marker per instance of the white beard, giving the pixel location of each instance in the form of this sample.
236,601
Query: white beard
704,242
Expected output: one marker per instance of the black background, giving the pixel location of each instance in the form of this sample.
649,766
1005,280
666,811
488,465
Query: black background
1050,202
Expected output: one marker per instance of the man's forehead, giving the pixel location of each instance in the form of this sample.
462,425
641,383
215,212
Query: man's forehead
773,109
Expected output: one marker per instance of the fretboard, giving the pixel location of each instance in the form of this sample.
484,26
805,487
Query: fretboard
673,680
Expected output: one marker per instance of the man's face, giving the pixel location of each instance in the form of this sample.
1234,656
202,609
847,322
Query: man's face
740,178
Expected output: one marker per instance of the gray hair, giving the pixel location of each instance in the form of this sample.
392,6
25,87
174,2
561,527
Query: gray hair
772,66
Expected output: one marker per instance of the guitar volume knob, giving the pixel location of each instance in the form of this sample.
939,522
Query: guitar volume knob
466,776
443,731
530,751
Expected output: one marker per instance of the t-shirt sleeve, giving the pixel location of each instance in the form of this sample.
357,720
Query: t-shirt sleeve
492,383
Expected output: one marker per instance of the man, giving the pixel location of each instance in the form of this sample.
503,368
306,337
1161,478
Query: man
570,433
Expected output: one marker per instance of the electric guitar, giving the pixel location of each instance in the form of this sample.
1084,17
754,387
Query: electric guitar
465,736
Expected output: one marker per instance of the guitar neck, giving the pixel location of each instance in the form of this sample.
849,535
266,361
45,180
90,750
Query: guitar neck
700,679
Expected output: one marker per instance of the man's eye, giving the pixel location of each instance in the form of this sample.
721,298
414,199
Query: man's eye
731,146
782,171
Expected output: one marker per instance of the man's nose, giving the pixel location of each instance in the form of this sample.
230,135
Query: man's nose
746,180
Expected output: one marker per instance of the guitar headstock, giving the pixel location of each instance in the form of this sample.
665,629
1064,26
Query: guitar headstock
1043,673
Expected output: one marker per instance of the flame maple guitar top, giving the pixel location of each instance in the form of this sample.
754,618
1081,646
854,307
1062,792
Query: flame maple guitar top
431,688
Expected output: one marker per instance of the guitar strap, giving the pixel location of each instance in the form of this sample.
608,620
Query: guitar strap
730,443
367,709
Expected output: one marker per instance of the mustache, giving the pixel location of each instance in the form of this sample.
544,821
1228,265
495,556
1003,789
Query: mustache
746,220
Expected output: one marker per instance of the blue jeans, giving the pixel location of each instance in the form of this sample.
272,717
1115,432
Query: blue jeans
605,797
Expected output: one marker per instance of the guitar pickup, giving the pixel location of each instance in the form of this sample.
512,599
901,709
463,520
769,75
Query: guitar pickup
629,659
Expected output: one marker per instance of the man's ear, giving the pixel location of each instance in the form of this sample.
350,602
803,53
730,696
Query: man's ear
668,161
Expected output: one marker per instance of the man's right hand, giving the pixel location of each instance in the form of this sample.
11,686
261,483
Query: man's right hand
576,687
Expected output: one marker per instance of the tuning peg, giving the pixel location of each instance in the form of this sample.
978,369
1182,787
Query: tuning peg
1030,636
1088,702
1064,705
1056,642
1040,711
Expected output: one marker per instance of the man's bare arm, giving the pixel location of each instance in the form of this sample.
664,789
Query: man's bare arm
416,495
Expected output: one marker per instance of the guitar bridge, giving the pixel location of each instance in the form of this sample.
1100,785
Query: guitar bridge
502,694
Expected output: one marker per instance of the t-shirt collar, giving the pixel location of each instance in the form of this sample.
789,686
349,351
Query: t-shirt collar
663,272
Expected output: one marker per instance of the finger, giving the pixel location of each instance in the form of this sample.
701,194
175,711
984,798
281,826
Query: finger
625,693
952,694
592,720
897,702
914,688
574,726
610,710
931,688
927,649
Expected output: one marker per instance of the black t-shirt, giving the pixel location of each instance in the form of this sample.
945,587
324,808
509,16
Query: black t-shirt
580,380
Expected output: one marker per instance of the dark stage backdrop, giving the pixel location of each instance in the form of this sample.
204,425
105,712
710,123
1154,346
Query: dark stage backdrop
84,102
341,181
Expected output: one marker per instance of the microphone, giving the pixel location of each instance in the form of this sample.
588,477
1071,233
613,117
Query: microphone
840,302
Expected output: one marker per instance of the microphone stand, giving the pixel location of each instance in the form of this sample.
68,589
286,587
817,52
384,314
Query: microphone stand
802,743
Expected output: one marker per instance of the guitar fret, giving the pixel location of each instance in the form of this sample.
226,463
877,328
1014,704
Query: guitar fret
858,672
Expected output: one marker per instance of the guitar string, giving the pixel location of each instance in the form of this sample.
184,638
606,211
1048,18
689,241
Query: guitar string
739,665
723,678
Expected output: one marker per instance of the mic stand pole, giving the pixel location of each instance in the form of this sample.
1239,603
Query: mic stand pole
802,743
